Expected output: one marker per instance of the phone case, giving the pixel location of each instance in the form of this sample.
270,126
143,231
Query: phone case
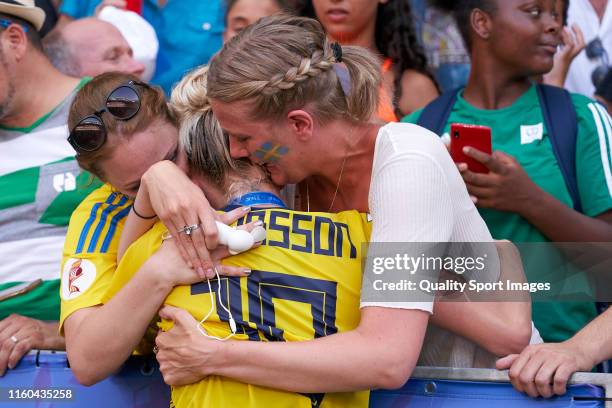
478,137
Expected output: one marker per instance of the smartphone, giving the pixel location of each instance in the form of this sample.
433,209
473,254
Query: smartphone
19,289
134,5
478,137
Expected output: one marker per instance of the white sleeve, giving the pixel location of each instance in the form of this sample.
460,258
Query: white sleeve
409,201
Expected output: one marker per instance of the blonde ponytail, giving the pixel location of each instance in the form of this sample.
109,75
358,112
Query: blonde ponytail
200,135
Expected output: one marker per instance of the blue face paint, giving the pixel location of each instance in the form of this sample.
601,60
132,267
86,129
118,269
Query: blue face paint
270,153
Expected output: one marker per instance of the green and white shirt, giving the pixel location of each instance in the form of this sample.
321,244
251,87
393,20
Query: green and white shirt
519,131
40,185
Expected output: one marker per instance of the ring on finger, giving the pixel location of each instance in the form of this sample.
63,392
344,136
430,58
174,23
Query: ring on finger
188,229
14,339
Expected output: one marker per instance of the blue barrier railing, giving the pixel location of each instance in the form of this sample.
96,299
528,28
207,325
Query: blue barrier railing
139,384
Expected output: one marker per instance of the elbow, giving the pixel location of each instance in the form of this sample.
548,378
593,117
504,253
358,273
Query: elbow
85,371
394,374
513,340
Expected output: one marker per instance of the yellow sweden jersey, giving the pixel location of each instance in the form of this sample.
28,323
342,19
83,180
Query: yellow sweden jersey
90,250
305,283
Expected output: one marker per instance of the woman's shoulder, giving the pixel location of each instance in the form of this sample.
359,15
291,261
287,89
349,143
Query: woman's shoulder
401,138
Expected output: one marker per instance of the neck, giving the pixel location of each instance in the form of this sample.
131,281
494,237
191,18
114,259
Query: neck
600,7
40,88
349,156
366,38
489,88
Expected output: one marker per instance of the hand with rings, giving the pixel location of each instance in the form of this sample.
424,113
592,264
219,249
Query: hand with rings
188,229
20,334
185,211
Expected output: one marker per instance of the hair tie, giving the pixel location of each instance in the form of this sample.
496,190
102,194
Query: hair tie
344,77
337,50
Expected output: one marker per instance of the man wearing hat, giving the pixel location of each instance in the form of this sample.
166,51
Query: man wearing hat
40,184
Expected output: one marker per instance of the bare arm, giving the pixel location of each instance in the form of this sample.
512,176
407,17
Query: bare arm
544,369
509,318
99,339
387,342
136,225
417,91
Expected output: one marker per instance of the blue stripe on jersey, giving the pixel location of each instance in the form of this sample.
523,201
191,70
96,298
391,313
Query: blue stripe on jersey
90,221
113,227
93,243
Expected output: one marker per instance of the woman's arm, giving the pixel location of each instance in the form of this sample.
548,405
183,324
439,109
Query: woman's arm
417,91
99,339
380,353
509,318
140,219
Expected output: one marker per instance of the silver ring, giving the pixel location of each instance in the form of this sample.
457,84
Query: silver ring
188,229
14,339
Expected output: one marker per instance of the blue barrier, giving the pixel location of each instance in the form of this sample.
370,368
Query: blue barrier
421,393
138,384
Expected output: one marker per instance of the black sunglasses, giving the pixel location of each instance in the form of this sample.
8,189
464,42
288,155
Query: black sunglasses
123,103
595,50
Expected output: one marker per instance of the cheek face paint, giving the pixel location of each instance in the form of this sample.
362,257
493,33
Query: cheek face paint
270,152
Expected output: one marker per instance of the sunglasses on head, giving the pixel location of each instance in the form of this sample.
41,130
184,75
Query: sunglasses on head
123,103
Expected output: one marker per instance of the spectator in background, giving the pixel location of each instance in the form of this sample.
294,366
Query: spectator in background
243,13
573,44
384,27
525,197
446,52
590,67
89,47
189,31
40,182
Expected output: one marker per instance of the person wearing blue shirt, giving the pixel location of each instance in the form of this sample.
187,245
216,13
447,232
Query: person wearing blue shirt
189,32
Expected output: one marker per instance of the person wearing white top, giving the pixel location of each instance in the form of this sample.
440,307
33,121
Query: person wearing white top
594,17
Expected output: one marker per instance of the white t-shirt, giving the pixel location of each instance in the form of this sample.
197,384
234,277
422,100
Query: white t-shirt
582,13
418,195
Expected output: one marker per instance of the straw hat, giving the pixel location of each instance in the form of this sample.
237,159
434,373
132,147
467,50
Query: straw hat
24,9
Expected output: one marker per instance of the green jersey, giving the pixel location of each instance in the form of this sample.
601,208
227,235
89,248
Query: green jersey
519,131
40,185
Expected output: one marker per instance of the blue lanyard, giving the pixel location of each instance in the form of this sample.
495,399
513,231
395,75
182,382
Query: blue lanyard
257,198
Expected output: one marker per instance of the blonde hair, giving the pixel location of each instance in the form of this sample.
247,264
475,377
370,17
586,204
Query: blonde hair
200,134
204,142
93,95
285,62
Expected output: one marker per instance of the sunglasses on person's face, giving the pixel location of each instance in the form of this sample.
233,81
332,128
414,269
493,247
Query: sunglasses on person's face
123,103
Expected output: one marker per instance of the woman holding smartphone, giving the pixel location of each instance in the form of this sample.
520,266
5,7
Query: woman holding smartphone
524,197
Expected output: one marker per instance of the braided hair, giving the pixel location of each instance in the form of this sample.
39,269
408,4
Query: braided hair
395,38
284,62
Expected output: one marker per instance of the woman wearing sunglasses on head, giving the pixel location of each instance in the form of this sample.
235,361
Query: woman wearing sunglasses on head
120,129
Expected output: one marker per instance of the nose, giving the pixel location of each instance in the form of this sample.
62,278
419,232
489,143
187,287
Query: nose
135,67
552,24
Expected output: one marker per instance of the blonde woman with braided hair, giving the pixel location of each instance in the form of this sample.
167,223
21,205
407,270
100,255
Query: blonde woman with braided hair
305,110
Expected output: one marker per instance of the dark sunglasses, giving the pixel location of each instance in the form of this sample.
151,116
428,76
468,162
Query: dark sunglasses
123,103
596,51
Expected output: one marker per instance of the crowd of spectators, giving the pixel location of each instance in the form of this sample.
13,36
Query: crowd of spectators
493,61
